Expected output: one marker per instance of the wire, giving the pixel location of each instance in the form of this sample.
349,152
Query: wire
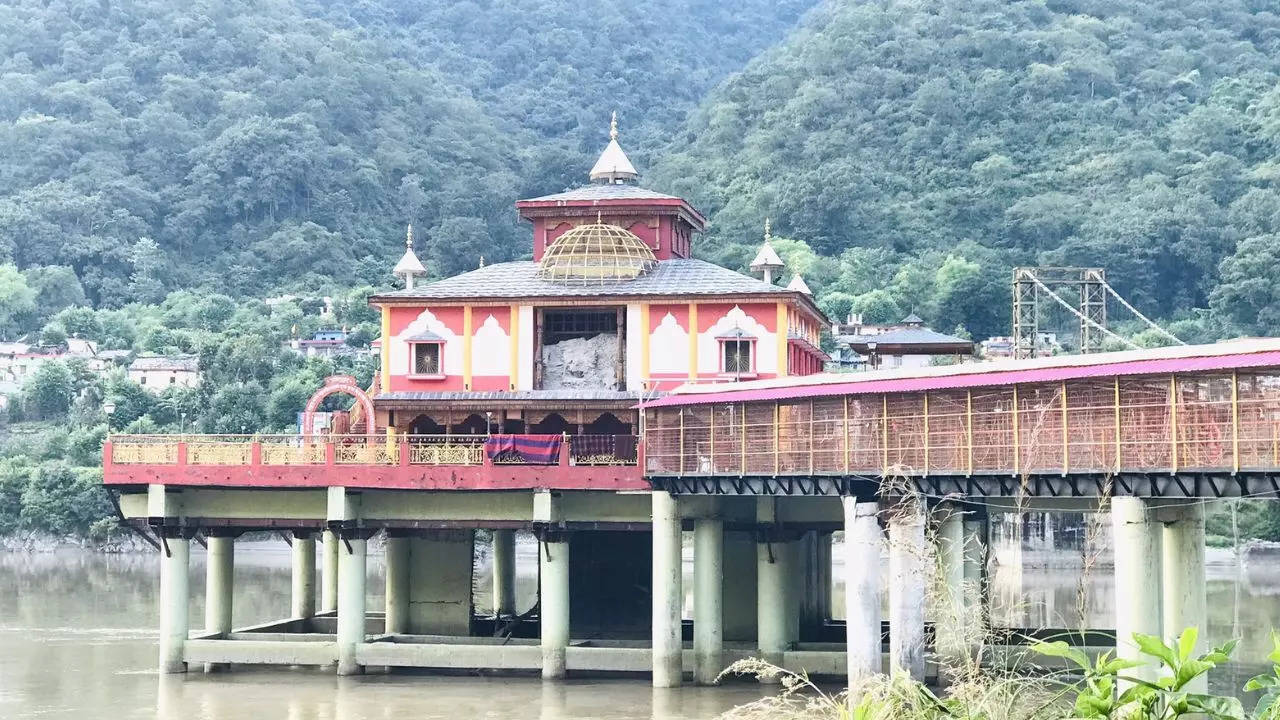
1077,313
1141,317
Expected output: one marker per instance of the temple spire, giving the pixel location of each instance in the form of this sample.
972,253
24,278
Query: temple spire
613,166
409,265
767,261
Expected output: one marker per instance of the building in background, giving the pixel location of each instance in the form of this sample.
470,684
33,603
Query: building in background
324,344
905,344
157,372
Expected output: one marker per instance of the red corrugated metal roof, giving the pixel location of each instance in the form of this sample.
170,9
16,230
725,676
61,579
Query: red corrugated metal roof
993,377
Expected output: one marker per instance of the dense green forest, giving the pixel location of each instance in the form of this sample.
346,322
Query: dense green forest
936,143
260,146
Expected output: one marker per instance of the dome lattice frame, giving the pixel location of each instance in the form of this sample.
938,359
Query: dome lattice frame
596,254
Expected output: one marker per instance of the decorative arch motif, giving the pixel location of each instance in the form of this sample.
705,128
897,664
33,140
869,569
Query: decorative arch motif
333,385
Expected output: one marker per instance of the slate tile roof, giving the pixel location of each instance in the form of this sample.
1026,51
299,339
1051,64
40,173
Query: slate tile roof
187,363
518,280
612,191
905,336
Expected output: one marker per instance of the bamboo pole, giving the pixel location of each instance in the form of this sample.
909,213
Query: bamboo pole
1235,421
926,433
742,407
884,433
711,436
1116,406
968,430
811,437
1173,423
777,444
1066,444
844,444
1017,436
681,442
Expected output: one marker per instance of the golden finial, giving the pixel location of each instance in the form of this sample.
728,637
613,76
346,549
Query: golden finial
408,237
767,235
613,126
599,218
481,261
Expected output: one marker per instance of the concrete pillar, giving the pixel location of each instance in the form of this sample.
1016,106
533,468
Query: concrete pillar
740,600
175,554
977,598
814,564
397,587
218,584
1137,571
329,572
304,575
708,604
907,564
668,598
951,627
554,608
862,543
351,601
773,600
504,572
1183,577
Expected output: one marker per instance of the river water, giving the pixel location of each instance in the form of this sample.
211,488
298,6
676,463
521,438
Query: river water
77,640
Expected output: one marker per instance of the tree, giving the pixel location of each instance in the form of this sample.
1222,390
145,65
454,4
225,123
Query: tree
49,391
1246,295
236,408
57,287
17,302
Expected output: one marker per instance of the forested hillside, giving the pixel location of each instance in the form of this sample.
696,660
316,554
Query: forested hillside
929,145
154,145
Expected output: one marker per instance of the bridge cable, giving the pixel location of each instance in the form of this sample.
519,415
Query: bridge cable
1078,314
1141,317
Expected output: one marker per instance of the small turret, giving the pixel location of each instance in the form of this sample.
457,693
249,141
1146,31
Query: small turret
798,284
409,266
767,261
613,167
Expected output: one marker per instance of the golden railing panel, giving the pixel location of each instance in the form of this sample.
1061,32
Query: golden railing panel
372,453
291,454
220,453
446,454
127,453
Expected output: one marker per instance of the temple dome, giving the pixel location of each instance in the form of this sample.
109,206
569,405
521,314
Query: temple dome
596,254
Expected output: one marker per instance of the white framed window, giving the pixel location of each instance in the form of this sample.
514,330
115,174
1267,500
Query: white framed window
737,356
427,359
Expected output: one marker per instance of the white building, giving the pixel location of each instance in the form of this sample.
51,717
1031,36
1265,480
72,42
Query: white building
157,372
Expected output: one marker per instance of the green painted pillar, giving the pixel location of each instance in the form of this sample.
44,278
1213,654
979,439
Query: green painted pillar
1136,538
708,599
351,601
303,576
175,555
554,590
218,594
397,592
668,597
504,572
863,541
329,572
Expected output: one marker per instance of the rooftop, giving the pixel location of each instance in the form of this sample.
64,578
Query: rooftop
614,191
1250,353
905,336
675,277
187,363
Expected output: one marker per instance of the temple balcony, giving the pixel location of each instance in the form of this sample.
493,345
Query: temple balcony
398,462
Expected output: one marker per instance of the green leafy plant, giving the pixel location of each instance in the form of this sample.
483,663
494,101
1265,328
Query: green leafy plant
1166,698
1268,708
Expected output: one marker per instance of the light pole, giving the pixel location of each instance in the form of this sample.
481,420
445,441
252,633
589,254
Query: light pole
108,408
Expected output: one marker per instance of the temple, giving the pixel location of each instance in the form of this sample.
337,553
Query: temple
613,393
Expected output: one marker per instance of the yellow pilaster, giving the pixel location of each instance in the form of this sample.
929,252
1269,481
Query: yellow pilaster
1235,421
782,338
466,347
513,346
644,344
693,342
386,349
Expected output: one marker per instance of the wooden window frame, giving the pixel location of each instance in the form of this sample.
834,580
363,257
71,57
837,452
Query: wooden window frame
413,360
751,358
